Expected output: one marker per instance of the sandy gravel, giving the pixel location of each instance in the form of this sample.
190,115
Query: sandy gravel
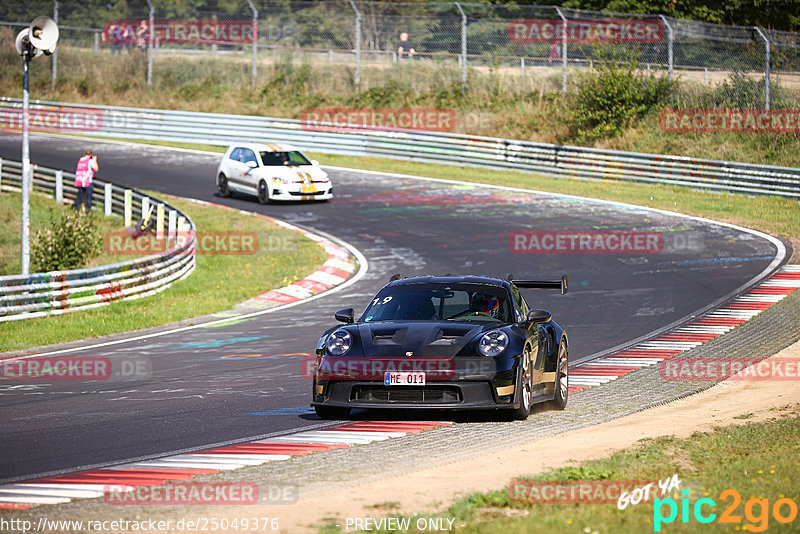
429,491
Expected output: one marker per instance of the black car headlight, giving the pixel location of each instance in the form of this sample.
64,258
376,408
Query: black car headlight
493,343
339,342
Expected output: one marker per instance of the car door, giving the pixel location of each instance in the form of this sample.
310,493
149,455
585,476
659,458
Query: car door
533,339
234,167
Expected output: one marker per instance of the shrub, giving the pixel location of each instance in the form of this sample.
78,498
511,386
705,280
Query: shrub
610,99
71,241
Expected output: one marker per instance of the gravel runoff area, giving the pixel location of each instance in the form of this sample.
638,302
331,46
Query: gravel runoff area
322,473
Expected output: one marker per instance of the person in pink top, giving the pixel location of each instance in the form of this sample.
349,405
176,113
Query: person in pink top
84,174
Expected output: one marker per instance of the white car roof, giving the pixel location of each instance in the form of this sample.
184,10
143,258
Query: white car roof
266,147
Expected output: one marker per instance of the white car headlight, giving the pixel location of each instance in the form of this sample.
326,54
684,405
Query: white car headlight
279,180
339,342
493,343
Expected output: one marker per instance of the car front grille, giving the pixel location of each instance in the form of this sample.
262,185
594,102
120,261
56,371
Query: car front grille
300,194
407,394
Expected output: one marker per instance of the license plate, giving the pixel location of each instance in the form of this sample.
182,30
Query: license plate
404,379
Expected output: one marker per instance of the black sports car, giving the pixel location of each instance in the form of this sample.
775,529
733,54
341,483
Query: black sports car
444,342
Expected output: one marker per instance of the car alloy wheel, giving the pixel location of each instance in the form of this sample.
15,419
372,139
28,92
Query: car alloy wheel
561,393
222,186
263,194
525,386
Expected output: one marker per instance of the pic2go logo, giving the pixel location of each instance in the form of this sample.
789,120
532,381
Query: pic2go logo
756,511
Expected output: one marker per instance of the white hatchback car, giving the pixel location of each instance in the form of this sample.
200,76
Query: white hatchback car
272,171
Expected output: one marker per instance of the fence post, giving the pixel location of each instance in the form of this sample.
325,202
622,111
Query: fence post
150,46
358,42
96,42
670,56
59,186
54,58
563,51
766,66
1,175
160,221
145,206
172,226
522,65
463,47
108,199
255,39
128,211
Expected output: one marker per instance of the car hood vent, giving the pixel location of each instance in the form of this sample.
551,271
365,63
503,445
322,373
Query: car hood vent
419,338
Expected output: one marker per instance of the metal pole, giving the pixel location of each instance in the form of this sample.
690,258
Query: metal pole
255,39
766,66
358,42
563,51
54,59
670,44
463,47
26,166
150,46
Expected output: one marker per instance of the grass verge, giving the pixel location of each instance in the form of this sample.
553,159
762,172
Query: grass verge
218,282
759,460
43,210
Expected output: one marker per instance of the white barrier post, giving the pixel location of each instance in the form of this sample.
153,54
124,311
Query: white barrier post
1,174
181,233
145,206
108,199
128,207
171,226
160,221
59,186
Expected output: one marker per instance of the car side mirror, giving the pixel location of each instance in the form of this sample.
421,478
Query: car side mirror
252,164
314,162
538,317
344,315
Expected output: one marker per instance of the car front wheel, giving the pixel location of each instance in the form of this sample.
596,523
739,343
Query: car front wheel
222,186
525,386
263,193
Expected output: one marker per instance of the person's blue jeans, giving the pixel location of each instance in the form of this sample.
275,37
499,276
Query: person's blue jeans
79,197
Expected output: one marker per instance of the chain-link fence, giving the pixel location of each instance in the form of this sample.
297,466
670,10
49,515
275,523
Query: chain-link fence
357,45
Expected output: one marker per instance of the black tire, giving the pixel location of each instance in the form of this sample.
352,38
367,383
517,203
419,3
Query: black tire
332,412
561,394
263,193
524,386
222,186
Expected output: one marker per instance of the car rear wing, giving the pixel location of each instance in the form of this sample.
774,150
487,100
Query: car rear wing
543,284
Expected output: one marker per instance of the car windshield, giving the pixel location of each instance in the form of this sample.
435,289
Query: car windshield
293,157
439,301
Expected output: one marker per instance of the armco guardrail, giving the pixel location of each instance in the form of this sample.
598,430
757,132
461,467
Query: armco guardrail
56,292
431,147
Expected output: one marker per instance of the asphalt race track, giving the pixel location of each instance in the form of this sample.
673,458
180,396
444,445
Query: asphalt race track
195,397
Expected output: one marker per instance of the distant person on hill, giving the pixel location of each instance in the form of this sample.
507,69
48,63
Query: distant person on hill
84,175
405,46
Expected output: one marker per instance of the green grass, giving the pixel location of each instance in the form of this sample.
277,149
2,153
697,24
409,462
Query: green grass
759,460
218,283
43,210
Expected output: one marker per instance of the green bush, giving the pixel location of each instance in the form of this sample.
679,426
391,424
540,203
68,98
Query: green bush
70,243
610,99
